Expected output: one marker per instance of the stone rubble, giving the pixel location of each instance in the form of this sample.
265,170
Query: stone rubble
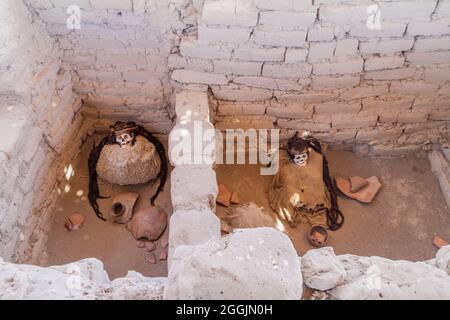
279,274
258,263
84,279
322,270
134,287
375,278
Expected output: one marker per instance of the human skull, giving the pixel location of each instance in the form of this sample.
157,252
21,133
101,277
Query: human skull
124,139
301,159
306,134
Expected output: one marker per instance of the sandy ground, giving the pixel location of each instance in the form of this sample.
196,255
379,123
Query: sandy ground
112,243
399,224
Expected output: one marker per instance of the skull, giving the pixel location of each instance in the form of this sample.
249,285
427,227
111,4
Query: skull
301,159
125,139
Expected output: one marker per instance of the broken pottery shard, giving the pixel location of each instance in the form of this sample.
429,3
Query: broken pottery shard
163,255
68,225
140,244
224,196
165,240
148,224
150,257
377,278
235,198
342,184
74,221
357,183
439,242
366,195
150,246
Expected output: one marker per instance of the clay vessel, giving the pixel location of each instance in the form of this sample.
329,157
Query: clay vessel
122,207
148,224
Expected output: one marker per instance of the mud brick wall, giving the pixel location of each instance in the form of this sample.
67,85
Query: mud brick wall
293,65
315,65
39,117
120,55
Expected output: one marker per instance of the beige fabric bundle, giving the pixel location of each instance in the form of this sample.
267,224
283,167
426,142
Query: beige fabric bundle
129,165
298,191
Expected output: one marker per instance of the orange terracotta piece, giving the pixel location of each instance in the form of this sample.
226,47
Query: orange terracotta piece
365,195
224,196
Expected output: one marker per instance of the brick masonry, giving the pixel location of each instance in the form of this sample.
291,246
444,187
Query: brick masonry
330,52
130,57
41,129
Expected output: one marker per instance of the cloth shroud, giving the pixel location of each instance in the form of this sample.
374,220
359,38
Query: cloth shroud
297,192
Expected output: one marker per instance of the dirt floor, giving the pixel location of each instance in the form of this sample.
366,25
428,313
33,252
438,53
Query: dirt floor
112,243
400,223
